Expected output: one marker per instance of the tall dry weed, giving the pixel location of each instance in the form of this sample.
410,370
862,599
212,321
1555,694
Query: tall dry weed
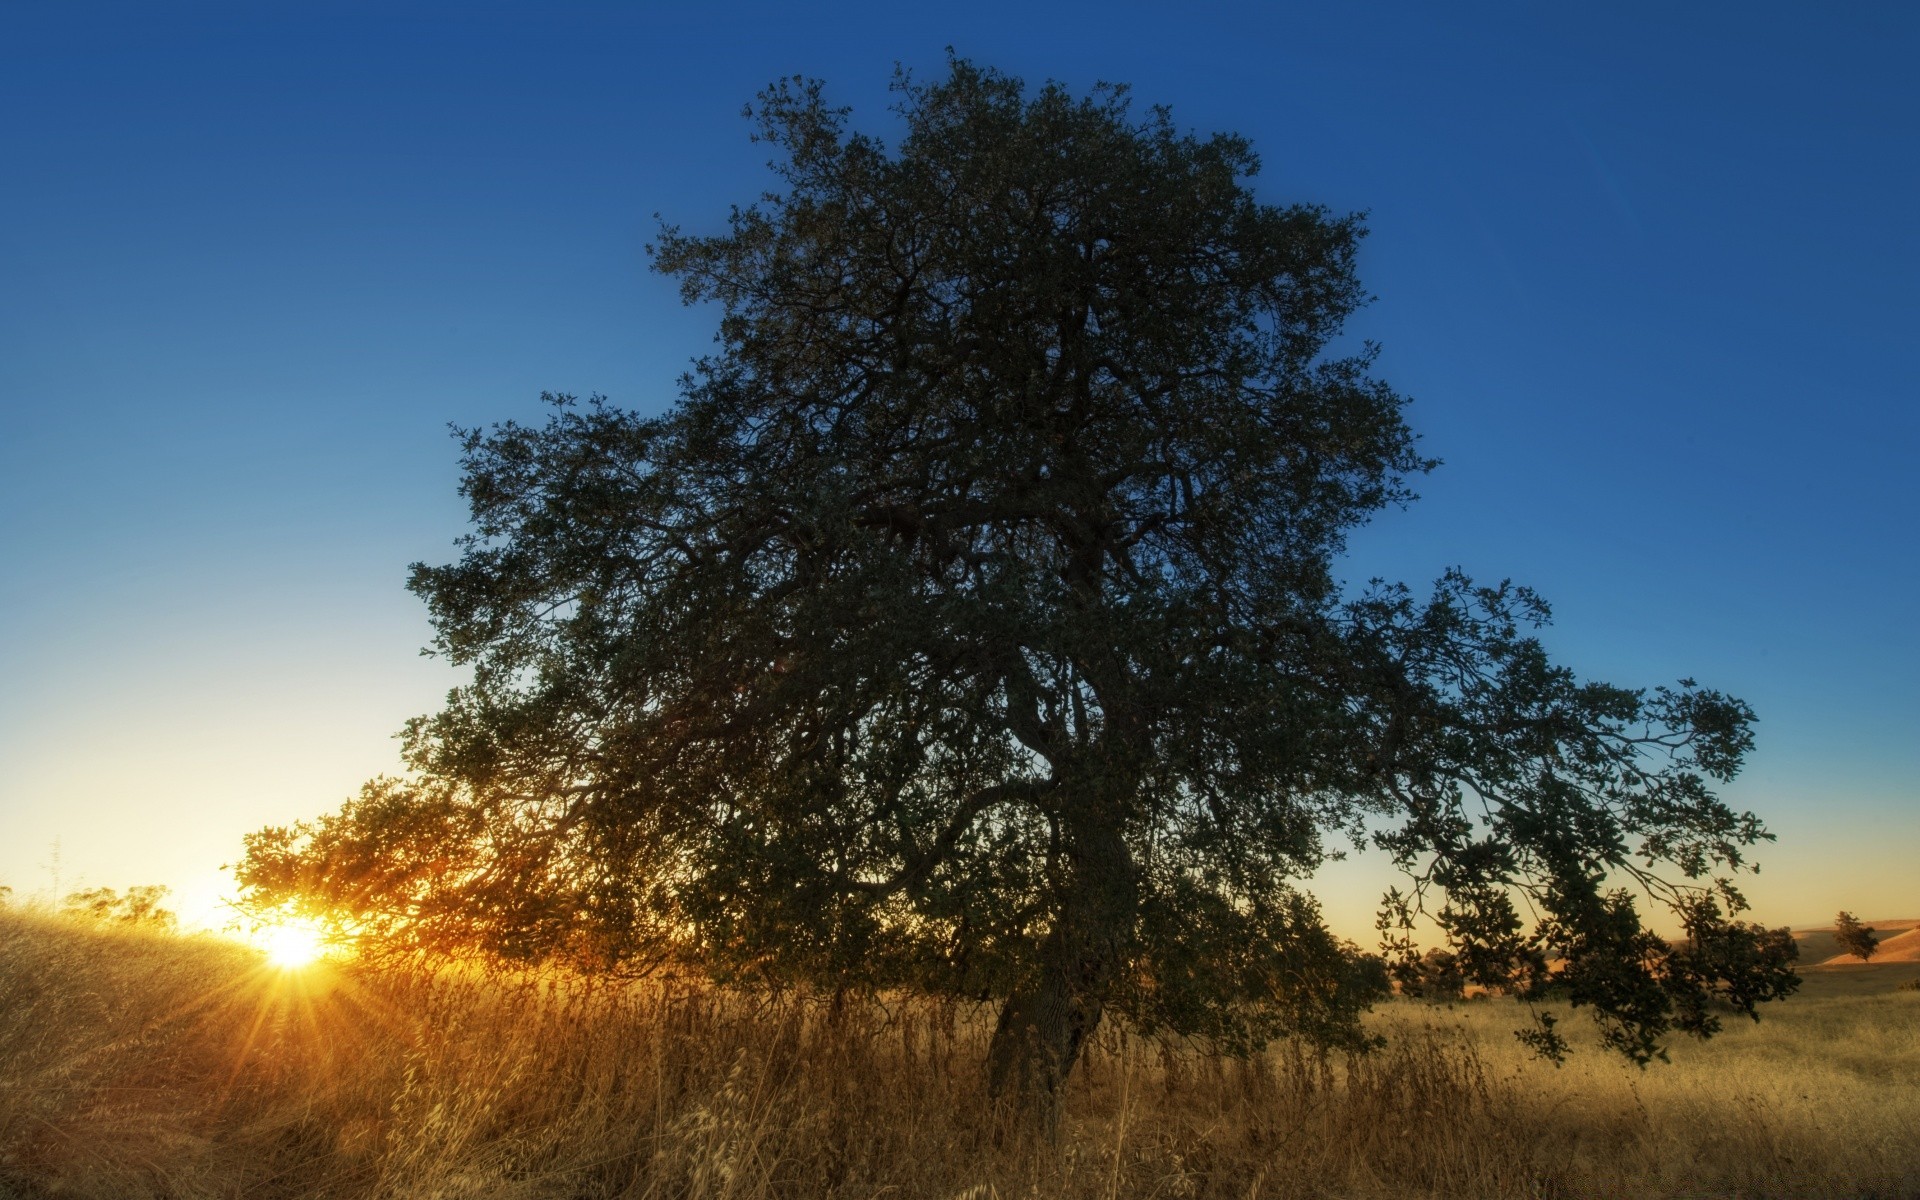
140,1066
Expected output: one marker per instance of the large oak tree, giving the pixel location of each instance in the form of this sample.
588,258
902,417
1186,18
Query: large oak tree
970,624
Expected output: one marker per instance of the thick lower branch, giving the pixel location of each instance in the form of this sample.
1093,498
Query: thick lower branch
920,865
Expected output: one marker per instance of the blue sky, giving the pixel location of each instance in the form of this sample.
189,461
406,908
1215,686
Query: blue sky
1649,278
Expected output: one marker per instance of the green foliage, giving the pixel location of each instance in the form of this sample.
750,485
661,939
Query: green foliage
1641,986
135,906
1435,975
971,624
1856,939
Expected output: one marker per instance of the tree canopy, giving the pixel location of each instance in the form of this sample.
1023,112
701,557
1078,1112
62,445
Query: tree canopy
1855,938
971,623
136,906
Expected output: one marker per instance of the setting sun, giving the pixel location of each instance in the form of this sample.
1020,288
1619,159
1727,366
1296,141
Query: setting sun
290,946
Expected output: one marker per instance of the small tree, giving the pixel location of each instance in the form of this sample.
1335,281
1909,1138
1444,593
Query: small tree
1435,975
136,906
1856,939
971,624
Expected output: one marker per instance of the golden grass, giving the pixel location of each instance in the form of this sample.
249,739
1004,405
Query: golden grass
144,1066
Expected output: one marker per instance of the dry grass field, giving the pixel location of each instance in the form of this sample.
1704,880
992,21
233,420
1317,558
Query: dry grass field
150,1066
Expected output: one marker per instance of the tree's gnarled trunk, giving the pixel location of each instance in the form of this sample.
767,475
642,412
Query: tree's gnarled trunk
1046,1021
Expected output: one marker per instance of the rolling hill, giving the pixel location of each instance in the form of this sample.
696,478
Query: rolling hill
1899,943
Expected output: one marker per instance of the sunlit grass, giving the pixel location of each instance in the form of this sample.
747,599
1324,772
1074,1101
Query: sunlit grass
138,1066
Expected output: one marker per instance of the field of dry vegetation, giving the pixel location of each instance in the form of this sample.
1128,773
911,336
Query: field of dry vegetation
144,1065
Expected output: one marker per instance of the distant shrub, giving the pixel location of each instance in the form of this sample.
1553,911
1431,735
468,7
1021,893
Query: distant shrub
135,906
1856,939
1436,975
1911,985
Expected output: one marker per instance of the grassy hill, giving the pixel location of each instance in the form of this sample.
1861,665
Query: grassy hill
142,1066
1899,942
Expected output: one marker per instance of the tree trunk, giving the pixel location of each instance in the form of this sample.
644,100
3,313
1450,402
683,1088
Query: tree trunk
1045,1023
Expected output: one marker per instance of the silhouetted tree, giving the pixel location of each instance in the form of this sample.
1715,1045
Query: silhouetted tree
1856,939
136,906
971,624
1435,975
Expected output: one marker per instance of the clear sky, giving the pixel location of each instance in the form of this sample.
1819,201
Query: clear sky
1648,272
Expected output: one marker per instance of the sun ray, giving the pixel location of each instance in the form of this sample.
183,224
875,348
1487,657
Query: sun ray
291,945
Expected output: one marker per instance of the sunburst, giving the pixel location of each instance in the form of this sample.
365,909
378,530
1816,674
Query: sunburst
291,945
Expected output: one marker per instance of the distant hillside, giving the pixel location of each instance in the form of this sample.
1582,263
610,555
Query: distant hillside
1899,943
